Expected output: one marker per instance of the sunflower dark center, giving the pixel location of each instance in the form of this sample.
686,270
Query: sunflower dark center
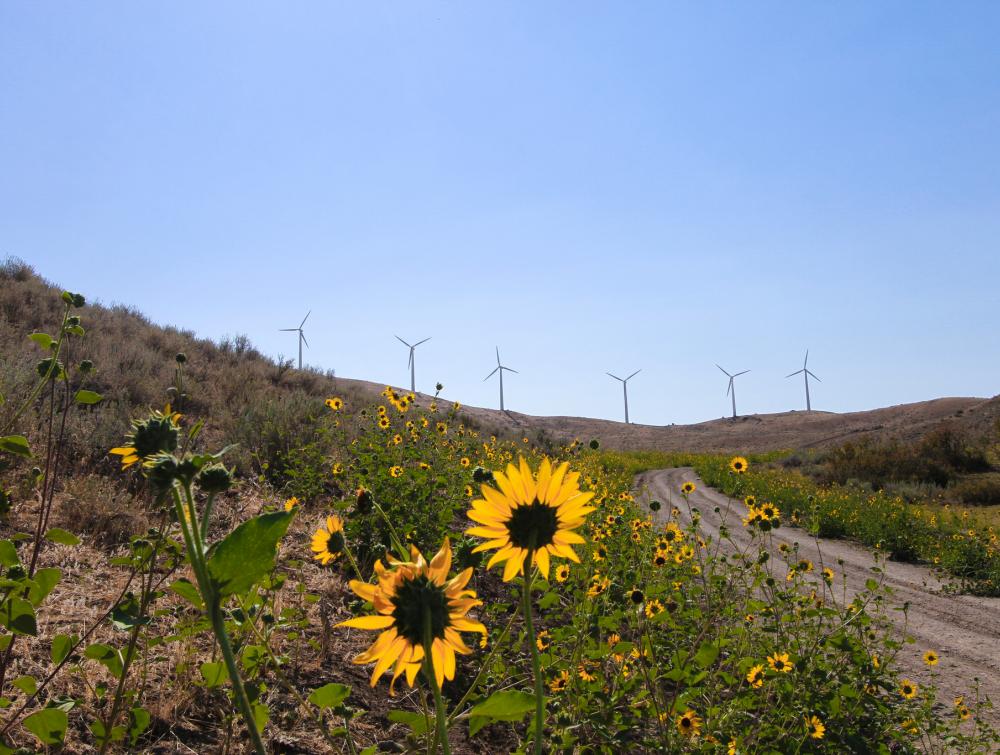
335,543
412,596
533,526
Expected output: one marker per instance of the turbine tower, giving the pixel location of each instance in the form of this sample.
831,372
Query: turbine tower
732,386
413,347
806,374
624,382
500,368
302,335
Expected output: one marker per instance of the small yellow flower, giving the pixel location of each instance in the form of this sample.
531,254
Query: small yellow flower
397,439
688,488
560,682
688,723
291,503
585,674
464,461
931,658
779,662
908,689
328,542
562,572
337,469
543,640
384,422
815,727
755,676
739,465
336,403
653,608
396,471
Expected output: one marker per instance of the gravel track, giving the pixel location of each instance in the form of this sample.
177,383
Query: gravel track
963,629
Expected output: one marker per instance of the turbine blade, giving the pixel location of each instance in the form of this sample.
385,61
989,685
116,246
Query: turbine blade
741,373
305,318
614,376
724,372
420,342
409,362
287,330
730,386
303,337
510,369
805,362
794,373
490,375
402,341
813,376
634,374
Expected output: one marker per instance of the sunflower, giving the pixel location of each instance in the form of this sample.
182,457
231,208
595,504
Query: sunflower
464,461
738,464
291,503
779,662
395,471
397,439
653,608
688,488
442,428
816,727
688,723
637,596
827,574
660,558
562,572
543,640
337,469
530,519
931,658
559,682
908,689
755,676
598,586
750,501
157,433
469,492
405,593
584,673
336,403
328,542
384,422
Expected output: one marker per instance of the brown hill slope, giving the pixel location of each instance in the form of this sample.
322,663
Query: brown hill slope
240,390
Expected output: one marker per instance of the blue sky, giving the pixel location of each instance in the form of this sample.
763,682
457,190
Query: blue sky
591,186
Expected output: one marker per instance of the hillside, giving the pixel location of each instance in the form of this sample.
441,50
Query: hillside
239,390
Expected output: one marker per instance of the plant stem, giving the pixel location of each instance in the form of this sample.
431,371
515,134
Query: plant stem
240,693
536,665
440,717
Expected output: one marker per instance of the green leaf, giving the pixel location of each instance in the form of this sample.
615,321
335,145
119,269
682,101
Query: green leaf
62,644
188,591
42,339
416,721
261,714
138,722
107,656
214,674
48,724
706,654
329,695
18,616
247,553
27,684
61,536
5,640
44,579
88,397
76,330
508,705
15,444
8,554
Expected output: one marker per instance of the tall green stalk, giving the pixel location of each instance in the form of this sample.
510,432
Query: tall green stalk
440,715
536,664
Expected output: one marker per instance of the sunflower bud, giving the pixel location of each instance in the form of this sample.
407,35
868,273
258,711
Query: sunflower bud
161,470
6,501
72,321
482,475
43,367
595,444
156,433
214,478
655,505
181,357
365,501
86,366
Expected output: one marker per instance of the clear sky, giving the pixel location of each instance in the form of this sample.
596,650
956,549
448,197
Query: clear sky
591,186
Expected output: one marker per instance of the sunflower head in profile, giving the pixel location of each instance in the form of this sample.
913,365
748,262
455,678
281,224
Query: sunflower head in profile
529,518
328,542
157,433
739,465
412,600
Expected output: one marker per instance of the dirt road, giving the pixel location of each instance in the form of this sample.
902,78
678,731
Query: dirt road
963,629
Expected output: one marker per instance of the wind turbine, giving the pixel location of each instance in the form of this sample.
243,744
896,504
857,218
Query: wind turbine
413,380
500,368
302,336
732,386
806,374
624,382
